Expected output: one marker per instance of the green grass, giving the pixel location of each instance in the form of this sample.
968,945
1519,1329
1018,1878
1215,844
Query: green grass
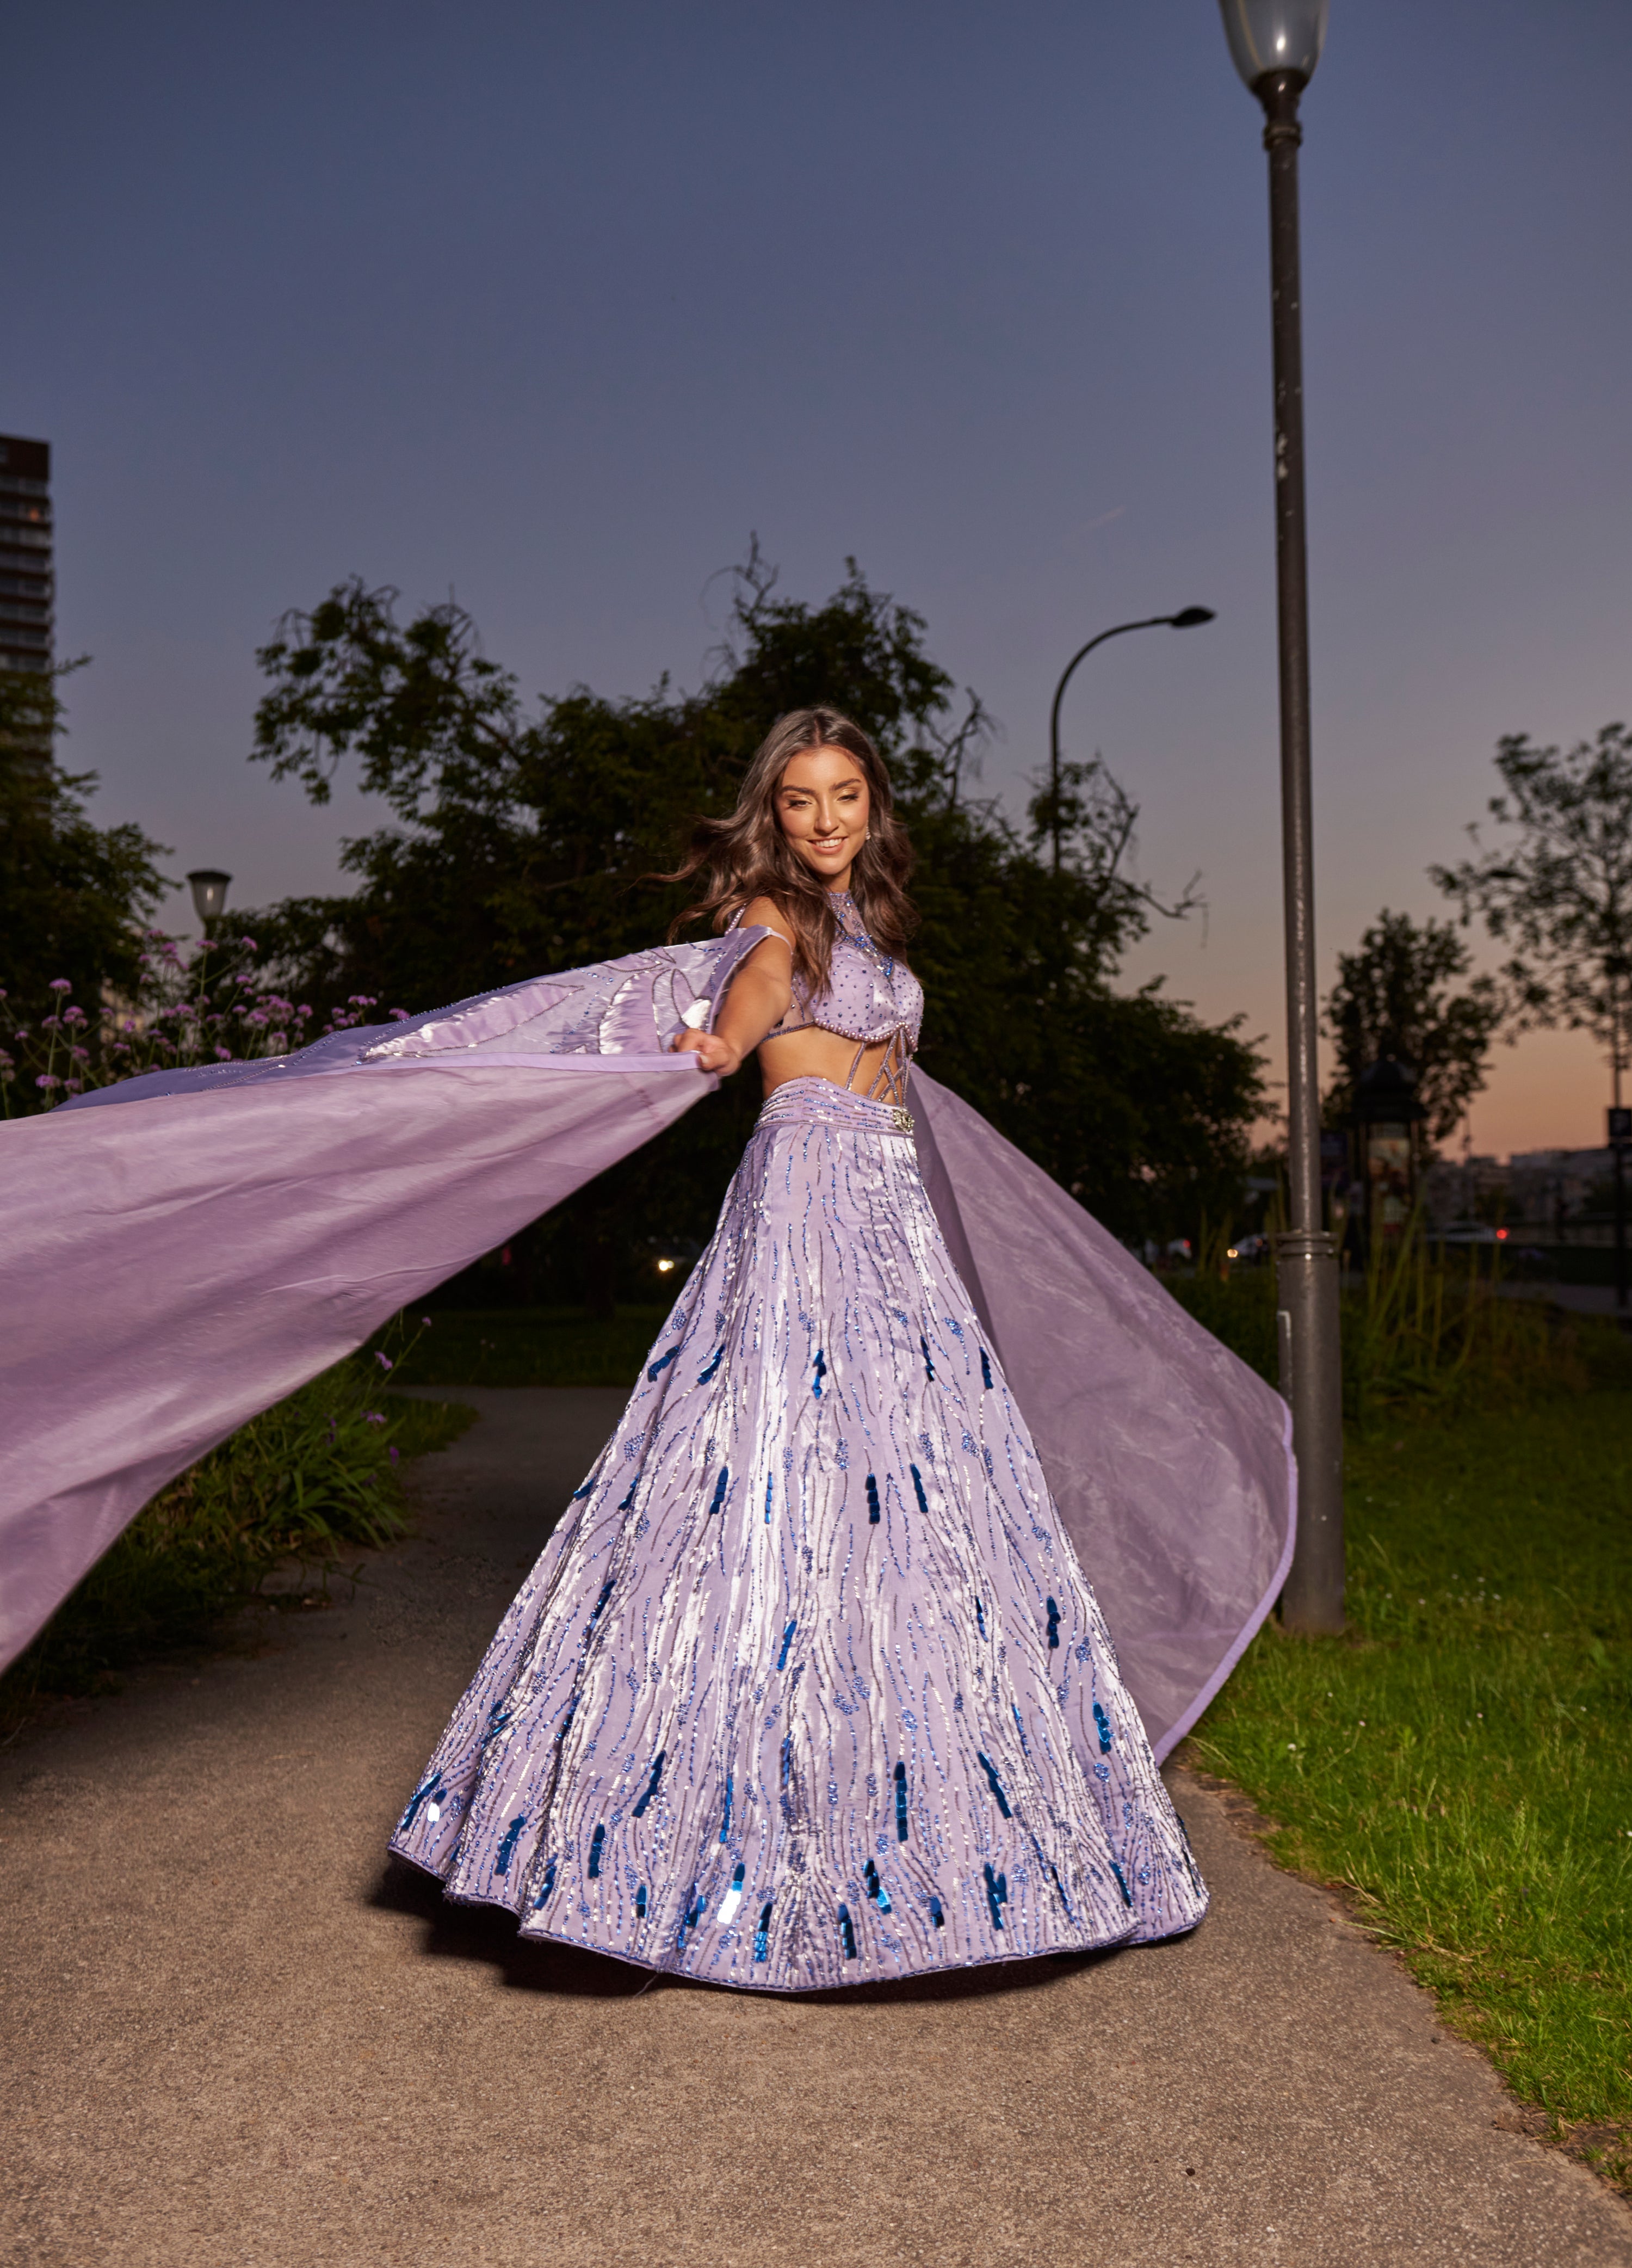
1462,1762
529,1346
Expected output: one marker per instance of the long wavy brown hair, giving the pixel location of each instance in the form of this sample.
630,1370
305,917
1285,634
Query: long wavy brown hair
747,856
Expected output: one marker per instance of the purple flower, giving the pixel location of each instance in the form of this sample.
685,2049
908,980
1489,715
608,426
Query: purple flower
397,1016
47,1079
394,1453
249,945
373,1417
425,1323
59,984
75,1087
384,1360
223,1054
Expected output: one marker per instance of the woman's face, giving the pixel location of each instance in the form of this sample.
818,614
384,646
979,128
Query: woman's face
822,807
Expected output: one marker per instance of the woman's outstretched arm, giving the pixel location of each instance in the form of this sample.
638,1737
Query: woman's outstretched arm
756,1001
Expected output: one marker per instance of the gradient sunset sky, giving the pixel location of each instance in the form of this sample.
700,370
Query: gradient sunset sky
553,306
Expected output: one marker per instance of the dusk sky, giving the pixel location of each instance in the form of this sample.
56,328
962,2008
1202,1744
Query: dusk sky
554,306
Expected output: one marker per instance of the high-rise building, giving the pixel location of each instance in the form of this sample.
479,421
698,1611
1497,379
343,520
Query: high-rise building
26,578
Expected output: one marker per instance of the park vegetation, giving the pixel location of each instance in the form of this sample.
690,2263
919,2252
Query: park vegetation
1457,1764
526,837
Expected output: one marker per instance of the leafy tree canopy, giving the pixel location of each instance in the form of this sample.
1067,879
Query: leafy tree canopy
1392,999
1558,890
74,897
528,837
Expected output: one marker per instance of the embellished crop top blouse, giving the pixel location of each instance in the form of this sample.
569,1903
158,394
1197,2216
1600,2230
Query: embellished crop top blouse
870,997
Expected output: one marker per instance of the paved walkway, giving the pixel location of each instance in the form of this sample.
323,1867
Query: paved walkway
232,2035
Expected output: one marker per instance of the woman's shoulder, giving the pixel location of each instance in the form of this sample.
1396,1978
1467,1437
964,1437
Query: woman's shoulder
766,913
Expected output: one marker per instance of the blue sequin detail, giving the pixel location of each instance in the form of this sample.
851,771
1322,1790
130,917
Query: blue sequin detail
1121,1883
847,1933
598,1844
726,1819
656,1369
876,1890
506,1849
822,1371
980,1617
770,1491
629,1498
431,1790
651,1784
872,1498
640,1903
565,1725
691,1917
990,1770
787,1758
578,1495
996,1895
544,1887
901,1803
917,1482
703,1376
720,1487
929,1367
781,1663
1054,1625
762,1936
606,1592
1019,1726
986,1372
936,1914
1102,1726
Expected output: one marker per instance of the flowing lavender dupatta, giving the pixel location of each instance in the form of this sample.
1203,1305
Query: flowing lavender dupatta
178,1262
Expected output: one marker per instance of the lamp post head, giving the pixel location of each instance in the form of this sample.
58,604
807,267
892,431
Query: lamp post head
209,886
1191,618
1275,39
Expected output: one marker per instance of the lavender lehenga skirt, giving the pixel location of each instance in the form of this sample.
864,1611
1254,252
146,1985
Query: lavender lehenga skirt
808,1688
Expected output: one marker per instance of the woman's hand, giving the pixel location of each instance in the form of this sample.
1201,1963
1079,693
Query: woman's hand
714,1053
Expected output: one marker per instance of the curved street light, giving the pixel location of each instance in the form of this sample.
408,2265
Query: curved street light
1275,45
1187,618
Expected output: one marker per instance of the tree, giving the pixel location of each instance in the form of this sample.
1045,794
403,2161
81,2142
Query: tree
1559,895
74,897
1391,999
528,839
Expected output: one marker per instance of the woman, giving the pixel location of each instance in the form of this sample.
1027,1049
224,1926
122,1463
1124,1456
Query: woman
807,1687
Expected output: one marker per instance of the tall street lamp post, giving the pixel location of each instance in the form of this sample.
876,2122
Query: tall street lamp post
1188,618
1275,45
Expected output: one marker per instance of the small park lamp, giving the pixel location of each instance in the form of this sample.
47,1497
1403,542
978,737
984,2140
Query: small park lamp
209,886
1275,45
1387,1115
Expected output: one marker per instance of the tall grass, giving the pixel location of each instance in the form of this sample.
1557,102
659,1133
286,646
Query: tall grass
1420,1331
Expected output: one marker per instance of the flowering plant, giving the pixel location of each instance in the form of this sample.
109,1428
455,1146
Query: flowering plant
194,1004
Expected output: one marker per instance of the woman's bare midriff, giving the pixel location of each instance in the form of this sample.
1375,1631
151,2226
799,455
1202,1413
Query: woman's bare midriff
815,1054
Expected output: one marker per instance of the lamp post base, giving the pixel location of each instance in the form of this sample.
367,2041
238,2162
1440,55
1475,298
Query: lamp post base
1311,1384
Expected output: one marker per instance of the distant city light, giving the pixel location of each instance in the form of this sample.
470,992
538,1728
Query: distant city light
663,1266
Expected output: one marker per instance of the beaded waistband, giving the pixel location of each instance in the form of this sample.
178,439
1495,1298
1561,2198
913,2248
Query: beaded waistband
823,1101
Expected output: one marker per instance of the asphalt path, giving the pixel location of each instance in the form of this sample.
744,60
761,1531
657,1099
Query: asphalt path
233,2034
